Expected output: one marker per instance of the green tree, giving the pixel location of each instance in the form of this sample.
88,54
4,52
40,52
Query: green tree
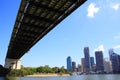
42,69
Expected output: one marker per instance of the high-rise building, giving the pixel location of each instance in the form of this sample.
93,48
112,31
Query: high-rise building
69,64
73,66
83,64
99,61
115,59
87,59
111,53
107,66
92,63
79,69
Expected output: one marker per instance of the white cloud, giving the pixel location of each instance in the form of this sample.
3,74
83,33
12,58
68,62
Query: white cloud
99,48
116,6
92,9
116,47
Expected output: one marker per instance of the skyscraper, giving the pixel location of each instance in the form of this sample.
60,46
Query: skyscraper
83,64
111,53
92,63
69,64
87,59
79,68
99,61
107,65
115,59
73,66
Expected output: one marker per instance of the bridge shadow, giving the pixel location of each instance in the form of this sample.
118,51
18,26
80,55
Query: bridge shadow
3,71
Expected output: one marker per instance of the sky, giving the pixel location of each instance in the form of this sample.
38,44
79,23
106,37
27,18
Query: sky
95,24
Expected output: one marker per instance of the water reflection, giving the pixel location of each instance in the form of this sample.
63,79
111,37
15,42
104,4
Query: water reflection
9,78
80,77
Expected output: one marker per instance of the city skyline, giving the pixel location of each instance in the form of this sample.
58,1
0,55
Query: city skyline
102,65
93,57
94,24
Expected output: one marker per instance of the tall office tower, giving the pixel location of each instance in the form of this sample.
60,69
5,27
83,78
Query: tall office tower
115,59
99,61
92,63
83,64
69,64
73,66
79,69
111,52
87,59
107,65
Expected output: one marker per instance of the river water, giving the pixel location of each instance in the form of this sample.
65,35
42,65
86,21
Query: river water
80,77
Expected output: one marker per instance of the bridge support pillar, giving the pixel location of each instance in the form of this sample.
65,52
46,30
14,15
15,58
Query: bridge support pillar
12,63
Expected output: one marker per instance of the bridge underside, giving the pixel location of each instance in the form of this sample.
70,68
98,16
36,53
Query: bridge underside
34,20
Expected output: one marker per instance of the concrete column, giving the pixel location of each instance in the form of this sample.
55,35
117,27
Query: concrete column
9,63
17,65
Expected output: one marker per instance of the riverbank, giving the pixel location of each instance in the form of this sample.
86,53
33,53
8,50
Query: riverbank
83,77
47,75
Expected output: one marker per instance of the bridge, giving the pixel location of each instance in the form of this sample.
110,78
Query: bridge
34,20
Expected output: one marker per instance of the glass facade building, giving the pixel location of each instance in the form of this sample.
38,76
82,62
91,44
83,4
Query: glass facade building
92,63
115,59
87,59
69,64
73,66
99,61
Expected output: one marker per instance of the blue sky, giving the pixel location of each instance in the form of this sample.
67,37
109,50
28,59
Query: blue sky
95,24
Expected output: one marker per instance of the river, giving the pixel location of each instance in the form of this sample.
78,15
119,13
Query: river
80,77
